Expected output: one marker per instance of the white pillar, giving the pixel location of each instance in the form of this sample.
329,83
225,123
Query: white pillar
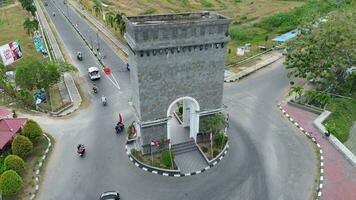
186,113
194,125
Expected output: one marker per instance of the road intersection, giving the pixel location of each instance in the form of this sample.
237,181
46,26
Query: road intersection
267,159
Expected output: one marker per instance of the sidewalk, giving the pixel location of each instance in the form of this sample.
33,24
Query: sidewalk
232,77
68,89
339,176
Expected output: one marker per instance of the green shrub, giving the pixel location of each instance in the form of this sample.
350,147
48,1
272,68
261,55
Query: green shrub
220,140
21,146
15,163
167,158
3,155
206,3
10,182
137,154
31,130
129,129
26,97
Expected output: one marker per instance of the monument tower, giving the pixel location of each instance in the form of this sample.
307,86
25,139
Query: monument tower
175,57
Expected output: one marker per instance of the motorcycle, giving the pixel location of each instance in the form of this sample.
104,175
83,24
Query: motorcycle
79,56
95,89
103,100
81,150
119,127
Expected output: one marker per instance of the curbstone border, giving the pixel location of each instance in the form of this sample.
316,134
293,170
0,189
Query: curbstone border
170,173
321,178
39,167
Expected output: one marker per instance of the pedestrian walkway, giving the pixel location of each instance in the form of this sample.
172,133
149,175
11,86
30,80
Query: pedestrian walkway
339,175
191,161
179,134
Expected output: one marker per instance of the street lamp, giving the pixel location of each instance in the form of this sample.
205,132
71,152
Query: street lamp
97,41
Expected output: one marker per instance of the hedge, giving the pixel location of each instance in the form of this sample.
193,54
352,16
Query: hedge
31,130
167,158
10,183
21,146
15,163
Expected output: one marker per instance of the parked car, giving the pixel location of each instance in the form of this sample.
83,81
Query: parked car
94,73
110,195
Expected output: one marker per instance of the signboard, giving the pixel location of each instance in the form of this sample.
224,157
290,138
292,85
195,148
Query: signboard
10,52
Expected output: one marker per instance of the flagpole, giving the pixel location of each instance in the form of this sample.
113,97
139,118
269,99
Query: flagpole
151,154
170,153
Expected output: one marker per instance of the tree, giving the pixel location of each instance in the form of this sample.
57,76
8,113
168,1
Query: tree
98,7
167,158
120,22
212,123
21,146
32,9
323,54
30,25
36,74
110,18
15,163
296,89
32,130
10,182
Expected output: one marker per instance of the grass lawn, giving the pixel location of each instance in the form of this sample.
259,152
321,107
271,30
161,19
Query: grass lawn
11,28
342,117
55,98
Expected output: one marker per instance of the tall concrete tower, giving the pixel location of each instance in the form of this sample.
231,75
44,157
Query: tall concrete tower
175,57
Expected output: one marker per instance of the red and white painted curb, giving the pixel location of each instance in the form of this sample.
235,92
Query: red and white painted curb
321,178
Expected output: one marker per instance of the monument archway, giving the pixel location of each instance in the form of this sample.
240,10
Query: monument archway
190,117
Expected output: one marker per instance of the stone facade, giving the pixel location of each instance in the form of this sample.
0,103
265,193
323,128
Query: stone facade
172,56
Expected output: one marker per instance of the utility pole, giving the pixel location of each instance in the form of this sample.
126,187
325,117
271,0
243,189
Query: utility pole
97,41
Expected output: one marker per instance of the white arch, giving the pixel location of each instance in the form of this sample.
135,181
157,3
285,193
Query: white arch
181,99
194,117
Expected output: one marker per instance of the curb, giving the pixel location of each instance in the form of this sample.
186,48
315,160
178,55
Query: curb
321,178
39,167
147,168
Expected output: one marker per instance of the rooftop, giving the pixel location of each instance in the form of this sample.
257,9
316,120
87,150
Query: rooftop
175,18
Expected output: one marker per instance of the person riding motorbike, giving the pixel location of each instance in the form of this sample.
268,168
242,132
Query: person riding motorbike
54,14
119,127
103,100
80,149
79,55
95,89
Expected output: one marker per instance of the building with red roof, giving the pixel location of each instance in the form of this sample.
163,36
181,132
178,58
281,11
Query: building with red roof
9,128
5,113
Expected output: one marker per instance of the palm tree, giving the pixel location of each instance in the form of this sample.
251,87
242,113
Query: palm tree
30,25
110,18
120,22
98,7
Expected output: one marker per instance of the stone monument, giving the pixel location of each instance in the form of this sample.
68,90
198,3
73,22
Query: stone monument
175,57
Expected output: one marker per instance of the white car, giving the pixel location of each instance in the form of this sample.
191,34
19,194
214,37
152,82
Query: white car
94,73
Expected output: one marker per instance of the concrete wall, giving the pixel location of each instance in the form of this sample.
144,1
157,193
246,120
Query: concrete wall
158,132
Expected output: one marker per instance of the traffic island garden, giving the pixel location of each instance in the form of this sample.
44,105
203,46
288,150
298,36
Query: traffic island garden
18,162
163,160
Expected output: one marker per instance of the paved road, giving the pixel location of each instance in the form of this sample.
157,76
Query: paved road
267,159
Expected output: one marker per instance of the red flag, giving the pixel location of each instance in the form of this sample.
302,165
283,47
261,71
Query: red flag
154,142
133,131
120,118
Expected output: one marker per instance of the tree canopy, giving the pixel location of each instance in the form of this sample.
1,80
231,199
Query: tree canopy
36,74
325,51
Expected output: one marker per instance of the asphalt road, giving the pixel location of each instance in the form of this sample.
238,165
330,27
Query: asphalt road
268,158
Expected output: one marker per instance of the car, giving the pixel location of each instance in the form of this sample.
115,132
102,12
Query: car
110,195
94,73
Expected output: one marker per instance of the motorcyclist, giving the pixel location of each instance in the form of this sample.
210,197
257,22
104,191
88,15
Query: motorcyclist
80,148
54,14
103,100
95,89
79,55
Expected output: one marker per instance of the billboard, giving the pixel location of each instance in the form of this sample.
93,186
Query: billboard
10,52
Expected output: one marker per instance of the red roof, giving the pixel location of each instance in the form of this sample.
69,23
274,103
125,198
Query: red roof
9,128
4,113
